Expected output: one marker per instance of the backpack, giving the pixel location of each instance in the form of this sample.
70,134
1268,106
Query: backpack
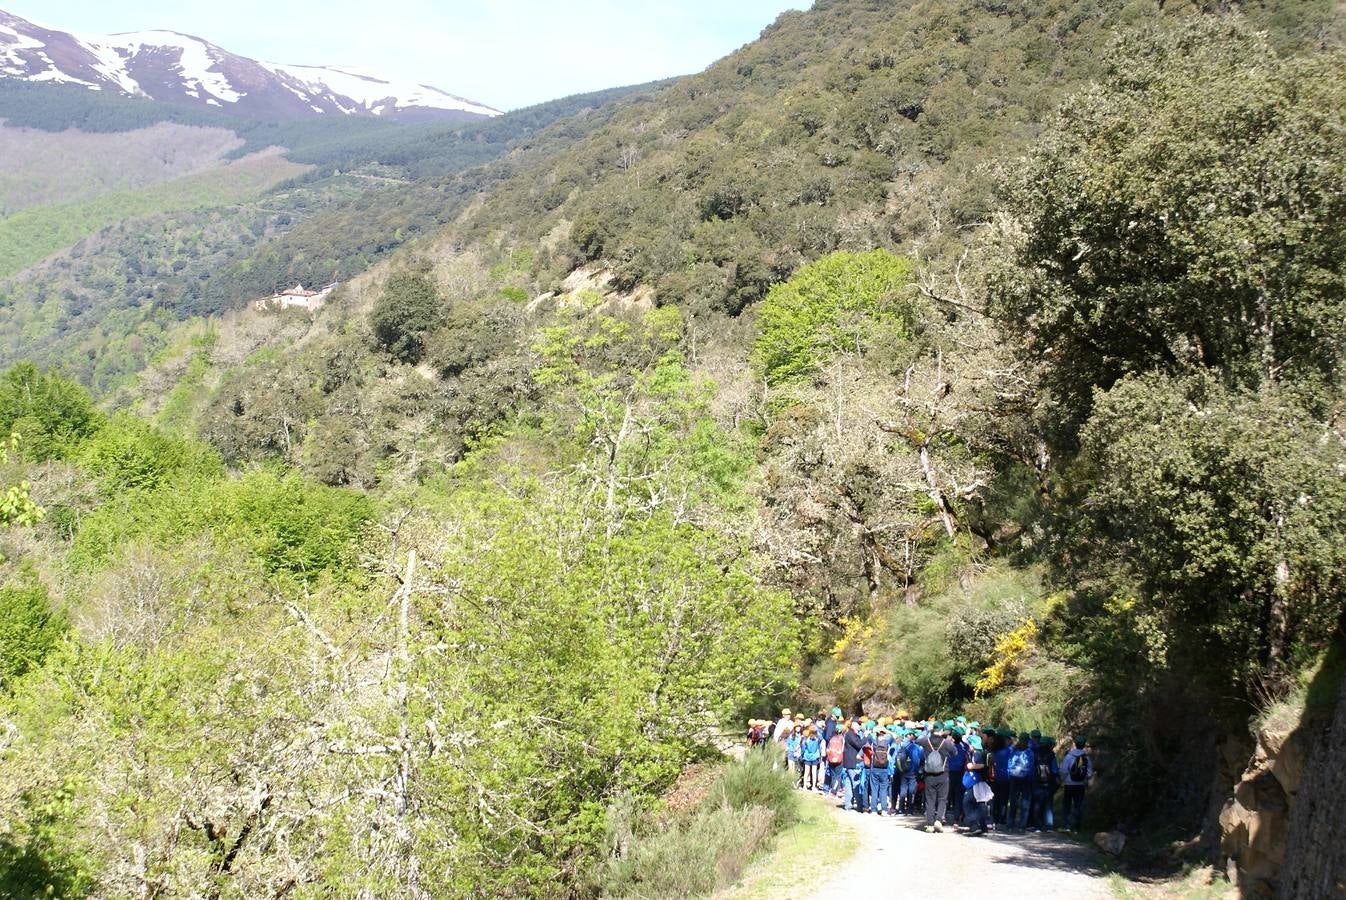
934,761
836,749
904,760
867,754
1021,763
881,748
1079,769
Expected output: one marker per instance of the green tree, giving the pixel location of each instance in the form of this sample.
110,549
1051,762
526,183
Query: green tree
1188,212
49,413
841,303
29,628
1225,509
408,309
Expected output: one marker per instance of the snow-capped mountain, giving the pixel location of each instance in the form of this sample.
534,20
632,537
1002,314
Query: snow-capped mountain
180,68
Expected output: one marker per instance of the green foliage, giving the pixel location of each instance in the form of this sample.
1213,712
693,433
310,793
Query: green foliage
296,529
1226,510
49,413
707,847
839,304
1189,212
29,628
33,234
129,454
408,309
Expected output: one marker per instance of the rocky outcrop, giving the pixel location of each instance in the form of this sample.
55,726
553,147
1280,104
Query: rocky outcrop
1280,831
1315,856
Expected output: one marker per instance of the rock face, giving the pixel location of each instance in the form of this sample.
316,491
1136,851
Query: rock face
1281,830
1315,856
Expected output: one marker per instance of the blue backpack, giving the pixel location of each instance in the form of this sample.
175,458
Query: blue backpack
1021,763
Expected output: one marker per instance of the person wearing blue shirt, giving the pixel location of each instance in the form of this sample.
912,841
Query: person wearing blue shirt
1020,768
1046,776
880,777
976,813
1001,785
811,751
957,766
906,795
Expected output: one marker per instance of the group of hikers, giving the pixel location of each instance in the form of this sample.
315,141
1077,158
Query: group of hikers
955,773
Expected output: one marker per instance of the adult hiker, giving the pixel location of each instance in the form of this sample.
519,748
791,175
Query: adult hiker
880,770
938,747
1020,769
1077,769
851,763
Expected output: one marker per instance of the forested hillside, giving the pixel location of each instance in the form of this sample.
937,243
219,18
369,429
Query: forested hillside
930,356
343,195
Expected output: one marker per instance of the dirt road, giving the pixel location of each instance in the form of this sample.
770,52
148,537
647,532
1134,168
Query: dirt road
896,854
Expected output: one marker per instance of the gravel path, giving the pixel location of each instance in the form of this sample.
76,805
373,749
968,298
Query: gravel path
895,854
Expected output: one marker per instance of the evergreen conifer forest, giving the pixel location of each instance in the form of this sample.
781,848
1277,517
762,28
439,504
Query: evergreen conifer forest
934,355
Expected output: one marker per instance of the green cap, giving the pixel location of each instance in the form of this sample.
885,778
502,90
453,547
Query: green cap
836,711
1024,735
1047,742
1035,734
1080,741
948,723
961,720
958,731
975,725
1005,732
974,742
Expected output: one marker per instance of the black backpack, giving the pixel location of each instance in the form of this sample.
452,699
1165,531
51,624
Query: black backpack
1079,769
1044,766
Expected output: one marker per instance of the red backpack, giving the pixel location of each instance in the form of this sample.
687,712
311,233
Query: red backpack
836,749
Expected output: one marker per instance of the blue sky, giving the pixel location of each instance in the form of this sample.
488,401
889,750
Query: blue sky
505,53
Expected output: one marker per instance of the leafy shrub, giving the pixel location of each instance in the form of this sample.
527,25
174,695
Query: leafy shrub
130,454
51,414
757,781
708,848
29,629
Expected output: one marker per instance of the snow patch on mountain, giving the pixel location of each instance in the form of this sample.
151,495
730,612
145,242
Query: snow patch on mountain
371,92
197,63
180,68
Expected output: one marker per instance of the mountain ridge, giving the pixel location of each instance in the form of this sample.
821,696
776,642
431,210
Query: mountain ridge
171,66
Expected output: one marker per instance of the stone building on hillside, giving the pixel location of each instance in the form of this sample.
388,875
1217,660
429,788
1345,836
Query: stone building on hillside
297,297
